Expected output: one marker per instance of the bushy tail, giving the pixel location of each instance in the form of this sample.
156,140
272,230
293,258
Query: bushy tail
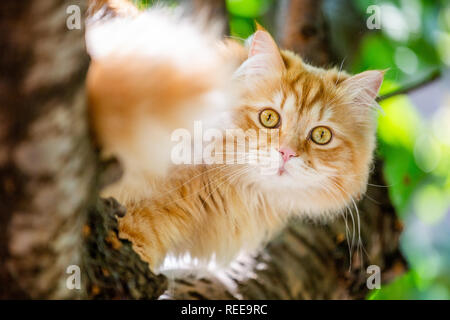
151,73
112,8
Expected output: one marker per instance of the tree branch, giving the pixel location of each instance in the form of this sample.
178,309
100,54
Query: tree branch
410,87
113,269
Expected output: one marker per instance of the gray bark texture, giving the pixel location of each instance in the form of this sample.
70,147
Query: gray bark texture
51,216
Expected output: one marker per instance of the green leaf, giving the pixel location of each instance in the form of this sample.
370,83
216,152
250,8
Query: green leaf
375,52
397,130
241,27
410,287
248,8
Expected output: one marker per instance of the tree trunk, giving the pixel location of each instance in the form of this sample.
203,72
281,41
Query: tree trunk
301,28
49,173
214,9
47,165
51,216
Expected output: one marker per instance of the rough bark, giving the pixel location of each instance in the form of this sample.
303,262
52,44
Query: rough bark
51,216
112,268
47,169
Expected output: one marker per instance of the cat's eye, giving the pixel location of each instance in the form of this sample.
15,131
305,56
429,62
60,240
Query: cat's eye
269,118
321,135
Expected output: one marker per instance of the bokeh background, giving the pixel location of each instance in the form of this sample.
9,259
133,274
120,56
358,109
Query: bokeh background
413,44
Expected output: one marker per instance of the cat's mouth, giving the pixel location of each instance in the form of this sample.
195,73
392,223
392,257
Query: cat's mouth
282,171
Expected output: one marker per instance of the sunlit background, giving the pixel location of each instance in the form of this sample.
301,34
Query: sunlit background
413,45
414,137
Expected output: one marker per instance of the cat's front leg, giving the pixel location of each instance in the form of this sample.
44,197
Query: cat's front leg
152,233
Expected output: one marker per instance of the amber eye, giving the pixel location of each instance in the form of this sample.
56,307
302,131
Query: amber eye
321,135
269,118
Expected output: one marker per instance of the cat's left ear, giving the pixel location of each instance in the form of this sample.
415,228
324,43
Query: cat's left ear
264,58
364,86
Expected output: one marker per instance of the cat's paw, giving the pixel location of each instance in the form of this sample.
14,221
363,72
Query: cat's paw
152,257
114,208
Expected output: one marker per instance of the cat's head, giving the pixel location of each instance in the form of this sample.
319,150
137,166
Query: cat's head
324,121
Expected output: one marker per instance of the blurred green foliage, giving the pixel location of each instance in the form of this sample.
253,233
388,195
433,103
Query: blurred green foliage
243,14
247,8
414,141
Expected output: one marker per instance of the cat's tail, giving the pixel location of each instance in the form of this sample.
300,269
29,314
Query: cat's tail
151,73
112,8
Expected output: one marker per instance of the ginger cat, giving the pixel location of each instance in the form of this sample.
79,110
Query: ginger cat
158,71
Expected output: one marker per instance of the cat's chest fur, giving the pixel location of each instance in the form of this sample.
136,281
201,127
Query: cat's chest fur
201,210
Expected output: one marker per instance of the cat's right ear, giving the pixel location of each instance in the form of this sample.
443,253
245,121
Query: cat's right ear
364,86
264,58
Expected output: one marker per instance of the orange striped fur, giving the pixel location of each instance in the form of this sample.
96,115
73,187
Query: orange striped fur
215,211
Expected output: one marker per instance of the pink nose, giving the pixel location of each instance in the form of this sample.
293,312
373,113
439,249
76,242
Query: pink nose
287,153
